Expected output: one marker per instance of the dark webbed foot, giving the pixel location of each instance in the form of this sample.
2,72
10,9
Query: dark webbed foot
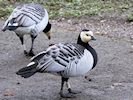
25,52
29,54
67,95
73,91
51,44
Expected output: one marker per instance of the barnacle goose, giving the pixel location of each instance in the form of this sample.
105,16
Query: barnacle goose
29,19
66,59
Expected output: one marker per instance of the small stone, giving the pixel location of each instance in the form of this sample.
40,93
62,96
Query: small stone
2,18
112,87
105,33
131,37
18,83
97,32
132,46
101,33
69,21
102,21
63,19
131,23
71,29
117,84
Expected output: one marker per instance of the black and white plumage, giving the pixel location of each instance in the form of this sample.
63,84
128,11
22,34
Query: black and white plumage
68,60
29,19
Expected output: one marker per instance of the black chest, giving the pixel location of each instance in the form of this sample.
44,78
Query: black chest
94,54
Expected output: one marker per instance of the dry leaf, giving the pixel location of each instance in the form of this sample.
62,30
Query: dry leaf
9,93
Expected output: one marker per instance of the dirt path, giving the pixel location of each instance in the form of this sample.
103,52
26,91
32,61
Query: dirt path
112,79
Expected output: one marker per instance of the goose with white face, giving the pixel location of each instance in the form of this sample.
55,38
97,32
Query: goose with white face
65,59
86,36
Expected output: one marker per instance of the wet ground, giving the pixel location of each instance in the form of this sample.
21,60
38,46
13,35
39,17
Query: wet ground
112,79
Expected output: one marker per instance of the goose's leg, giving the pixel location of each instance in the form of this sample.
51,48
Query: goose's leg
63,95
22,42
31,53
62,85
70,90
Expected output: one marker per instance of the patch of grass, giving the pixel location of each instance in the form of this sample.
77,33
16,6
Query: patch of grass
75,8
130,17
5,9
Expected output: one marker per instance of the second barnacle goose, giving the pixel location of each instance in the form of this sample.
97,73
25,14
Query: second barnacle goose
66,59
29,19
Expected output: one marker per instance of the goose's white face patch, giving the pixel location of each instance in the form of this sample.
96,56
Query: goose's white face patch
86,36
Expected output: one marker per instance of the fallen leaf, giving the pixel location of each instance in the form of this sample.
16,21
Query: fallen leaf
9,93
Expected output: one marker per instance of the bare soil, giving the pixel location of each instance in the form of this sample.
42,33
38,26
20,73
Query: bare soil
111,79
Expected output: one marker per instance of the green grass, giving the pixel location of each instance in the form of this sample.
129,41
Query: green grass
75,8
5,9
130,17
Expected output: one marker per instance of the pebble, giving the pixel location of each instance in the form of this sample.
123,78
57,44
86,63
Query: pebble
69,21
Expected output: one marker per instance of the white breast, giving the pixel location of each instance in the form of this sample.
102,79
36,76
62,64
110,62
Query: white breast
80,66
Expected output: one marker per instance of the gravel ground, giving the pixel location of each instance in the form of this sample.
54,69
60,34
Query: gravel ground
112,79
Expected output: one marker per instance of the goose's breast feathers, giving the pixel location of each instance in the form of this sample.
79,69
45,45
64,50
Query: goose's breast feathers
72,59
27,14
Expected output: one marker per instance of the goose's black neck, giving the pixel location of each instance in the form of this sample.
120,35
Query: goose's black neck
47,28
89,48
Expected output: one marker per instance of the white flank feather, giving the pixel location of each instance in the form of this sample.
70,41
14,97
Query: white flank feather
15,24
32,63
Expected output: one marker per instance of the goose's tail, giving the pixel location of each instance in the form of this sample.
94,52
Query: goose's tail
28,71
10,25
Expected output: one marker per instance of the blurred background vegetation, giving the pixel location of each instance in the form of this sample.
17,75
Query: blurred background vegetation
75,8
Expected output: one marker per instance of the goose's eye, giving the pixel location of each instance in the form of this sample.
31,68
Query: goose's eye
87,35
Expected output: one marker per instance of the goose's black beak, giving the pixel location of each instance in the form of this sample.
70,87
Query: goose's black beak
49,37
48,34
92,38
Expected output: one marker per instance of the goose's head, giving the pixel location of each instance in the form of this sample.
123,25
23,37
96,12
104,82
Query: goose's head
47,30
86,36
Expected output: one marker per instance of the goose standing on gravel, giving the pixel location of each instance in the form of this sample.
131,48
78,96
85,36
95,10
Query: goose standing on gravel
66,59
29,19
